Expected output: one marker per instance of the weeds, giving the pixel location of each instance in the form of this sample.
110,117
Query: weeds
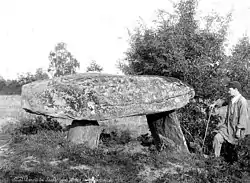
40,151
35,147
116,137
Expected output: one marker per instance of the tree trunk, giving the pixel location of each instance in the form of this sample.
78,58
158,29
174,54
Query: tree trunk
166,131
85,132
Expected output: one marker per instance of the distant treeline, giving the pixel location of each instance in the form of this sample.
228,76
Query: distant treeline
10,87
14,87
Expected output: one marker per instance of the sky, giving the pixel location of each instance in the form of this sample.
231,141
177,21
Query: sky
92,29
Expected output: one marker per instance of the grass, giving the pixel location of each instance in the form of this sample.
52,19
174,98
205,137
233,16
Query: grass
105,166
47,155
11,110
10,106
39,150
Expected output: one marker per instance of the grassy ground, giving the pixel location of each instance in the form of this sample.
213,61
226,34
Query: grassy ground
47,155
39,151
10,112
10,106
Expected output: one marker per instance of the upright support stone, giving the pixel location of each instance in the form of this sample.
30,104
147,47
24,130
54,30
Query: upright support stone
88,134
165,129
103,97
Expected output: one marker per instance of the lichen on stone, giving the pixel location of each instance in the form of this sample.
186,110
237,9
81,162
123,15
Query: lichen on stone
102,96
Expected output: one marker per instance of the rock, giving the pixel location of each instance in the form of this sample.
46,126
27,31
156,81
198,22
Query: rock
136,125
102,97
57,162
29,163
94,101
80,167
89,134
166,131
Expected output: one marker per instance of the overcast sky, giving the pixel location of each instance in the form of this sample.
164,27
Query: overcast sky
92,29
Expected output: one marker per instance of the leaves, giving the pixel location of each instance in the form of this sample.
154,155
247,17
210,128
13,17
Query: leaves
28,77
179,48
94,67
62,61
238,65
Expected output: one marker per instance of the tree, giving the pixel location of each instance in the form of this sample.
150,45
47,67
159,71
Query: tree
40,74
13,87
238,65
94,67
29,77
2,83
178,47
62,61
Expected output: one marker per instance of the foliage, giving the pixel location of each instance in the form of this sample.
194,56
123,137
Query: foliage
213,175
47,155
194,119
29,77
31,126
178,47
13,87
116,137
48,146
2,83
62,61
94,67
10,87
34,125
40,74
238,67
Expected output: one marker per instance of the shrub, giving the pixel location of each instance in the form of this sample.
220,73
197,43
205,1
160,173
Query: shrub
116,137
33,125
194,119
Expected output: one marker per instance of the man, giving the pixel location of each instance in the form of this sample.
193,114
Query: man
236,125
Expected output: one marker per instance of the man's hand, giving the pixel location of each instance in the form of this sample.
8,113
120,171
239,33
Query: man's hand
238,133
217,103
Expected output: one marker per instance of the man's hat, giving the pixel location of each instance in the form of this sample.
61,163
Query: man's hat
234,84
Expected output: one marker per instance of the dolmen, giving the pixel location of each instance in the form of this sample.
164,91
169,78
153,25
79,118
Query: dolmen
87,100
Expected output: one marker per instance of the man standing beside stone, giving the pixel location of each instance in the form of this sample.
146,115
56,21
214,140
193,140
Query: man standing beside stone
236,125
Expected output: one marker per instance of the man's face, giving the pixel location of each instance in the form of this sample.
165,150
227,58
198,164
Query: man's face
232,92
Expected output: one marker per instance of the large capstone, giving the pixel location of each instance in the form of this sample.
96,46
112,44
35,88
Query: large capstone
96,100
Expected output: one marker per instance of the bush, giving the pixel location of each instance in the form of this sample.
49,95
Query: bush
108,164
177,46
116,137
51,157
194,119
33,125
29,126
